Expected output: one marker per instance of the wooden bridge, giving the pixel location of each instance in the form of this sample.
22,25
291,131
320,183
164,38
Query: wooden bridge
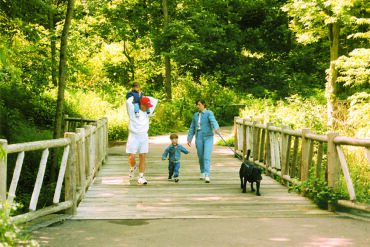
96,186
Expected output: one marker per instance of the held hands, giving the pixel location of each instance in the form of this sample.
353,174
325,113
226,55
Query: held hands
189,144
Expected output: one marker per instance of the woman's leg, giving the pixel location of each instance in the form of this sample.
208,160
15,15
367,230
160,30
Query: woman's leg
200,151
208,147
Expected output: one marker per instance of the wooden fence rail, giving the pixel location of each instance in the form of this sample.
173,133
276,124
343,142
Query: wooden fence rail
84,151
289,154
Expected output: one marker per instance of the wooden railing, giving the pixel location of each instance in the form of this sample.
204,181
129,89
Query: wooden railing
294,155
84,151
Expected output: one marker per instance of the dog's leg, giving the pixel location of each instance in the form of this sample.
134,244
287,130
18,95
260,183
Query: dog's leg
258,188
244,185
252,189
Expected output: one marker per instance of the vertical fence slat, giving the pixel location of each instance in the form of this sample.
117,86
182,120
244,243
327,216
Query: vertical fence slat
268,148
284,152
236,143
262,146
319,159
245,134
39,180
62,169
347,177
3,168
81,163
305,163
295,166
15,179
277,149
255,140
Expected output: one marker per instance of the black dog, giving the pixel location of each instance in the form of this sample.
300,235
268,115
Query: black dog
251,173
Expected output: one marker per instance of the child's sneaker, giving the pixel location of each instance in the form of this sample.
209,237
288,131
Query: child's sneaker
132,172
142,180
202,176
207,179
169,177
176,179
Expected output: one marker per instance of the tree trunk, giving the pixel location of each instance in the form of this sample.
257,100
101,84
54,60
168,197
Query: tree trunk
53,45
167,61
331,84
62,79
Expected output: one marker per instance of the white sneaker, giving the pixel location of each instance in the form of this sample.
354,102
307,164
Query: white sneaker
132,172
202,176
207,179
142,180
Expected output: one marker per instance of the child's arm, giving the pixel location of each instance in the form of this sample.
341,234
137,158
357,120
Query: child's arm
165,153
183,149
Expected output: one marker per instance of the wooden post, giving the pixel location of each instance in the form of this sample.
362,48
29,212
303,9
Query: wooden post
333,165
3,168
66,123
305,163
70,175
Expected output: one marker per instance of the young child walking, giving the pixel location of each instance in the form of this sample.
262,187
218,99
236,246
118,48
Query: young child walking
174,152
137,94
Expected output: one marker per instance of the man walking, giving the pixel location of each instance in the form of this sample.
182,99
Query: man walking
138,140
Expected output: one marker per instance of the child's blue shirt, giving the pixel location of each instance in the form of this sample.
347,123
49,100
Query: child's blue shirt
174,152
136,96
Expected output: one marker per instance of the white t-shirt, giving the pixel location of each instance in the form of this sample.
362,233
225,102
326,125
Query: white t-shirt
139,124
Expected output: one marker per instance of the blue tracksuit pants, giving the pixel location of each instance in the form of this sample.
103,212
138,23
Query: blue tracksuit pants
204,145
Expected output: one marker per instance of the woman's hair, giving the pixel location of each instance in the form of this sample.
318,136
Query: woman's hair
201,101
174,136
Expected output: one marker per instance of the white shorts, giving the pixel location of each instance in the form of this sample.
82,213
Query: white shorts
137,143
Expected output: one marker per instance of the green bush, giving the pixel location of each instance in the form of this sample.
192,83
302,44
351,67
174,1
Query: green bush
317,190
10,234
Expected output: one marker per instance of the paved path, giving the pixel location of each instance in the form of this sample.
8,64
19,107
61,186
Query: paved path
118,212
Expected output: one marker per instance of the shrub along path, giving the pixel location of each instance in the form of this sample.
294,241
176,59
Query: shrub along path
118,212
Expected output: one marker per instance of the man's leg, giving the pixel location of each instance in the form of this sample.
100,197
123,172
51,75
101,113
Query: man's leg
142,179
142,158
132,164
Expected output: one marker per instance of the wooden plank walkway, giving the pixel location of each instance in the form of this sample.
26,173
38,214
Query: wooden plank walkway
113,196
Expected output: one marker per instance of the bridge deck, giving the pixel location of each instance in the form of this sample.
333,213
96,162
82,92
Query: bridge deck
113,196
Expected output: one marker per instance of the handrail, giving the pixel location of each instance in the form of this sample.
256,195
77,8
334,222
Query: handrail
84,151
290,154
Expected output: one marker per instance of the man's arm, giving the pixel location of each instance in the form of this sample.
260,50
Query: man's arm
130,107
154,102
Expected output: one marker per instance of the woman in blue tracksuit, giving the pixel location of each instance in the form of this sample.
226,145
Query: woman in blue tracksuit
202,127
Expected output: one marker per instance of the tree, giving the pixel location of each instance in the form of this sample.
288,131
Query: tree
314,20
62,79
167,60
